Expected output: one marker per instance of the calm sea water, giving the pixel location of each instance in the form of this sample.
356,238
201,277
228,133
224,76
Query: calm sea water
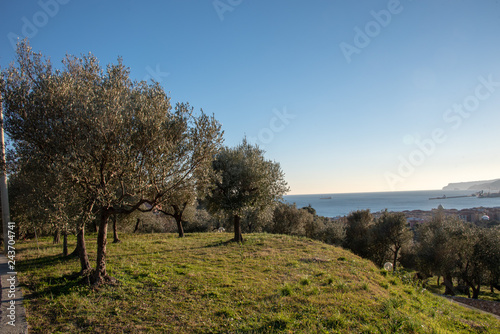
342,204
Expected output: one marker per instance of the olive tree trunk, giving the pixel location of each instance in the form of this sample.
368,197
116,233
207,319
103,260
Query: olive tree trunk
237,229
100,275
395,259
448,283
65,242
180,229
81,252
115,232
57,236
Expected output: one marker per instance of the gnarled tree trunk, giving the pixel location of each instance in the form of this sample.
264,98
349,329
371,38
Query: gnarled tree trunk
115,232
237,229
448,283
81,252
395,259
475,289
65,242
180,229
57,236
177,215
100,275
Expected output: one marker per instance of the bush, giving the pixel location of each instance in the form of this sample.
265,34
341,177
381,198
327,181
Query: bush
287,219
201,222
334,232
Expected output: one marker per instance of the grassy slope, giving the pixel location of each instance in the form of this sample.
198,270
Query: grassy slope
200,284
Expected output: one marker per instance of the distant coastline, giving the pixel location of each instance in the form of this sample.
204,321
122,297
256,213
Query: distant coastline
338,205
488,185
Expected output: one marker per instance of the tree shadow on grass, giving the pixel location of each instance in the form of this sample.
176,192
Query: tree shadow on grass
57,286
45,261
35,248
220,243
180,249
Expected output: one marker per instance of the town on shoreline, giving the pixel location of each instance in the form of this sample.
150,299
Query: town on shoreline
482,216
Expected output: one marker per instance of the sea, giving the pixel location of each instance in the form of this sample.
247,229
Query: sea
338,205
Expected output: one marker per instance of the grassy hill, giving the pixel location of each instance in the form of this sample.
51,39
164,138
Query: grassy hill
201,284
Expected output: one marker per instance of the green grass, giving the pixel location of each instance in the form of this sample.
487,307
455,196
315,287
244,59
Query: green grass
202,284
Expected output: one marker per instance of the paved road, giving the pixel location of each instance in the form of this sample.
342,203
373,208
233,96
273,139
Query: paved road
12,313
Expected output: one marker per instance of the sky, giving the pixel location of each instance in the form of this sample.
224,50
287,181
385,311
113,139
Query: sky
348,96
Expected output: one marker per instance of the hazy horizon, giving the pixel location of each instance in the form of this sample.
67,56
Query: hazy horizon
408,190
363,192
349,97
372,192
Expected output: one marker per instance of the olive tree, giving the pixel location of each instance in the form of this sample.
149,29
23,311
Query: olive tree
472,254
487,252
439,244
118,141
451,248
176,208
244,179
357,234
390,235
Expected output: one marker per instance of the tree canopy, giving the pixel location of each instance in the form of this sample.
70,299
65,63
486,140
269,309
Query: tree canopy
118,142
390,234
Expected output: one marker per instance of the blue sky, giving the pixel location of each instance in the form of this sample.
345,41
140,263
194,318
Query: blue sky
348,96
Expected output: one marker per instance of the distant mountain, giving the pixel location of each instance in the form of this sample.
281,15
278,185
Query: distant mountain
495,185
475,185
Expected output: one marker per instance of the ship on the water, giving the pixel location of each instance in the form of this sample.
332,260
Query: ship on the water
448,197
